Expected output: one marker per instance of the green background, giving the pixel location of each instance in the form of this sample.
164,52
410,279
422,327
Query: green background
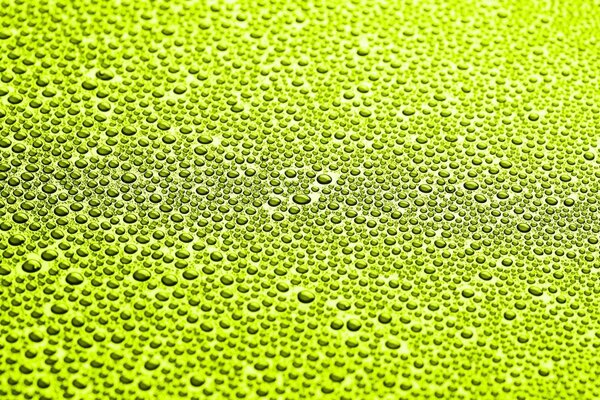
286,200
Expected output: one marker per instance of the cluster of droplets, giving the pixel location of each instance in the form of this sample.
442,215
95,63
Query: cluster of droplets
349,200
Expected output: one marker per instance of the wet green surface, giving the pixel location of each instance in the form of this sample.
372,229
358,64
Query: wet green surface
339,200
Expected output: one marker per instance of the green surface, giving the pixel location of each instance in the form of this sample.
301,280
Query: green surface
285,200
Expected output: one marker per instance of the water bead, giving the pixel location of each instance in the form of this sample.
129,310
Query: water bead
141,275
74,278
353,325
522,227
301,199
31,266
306,297
324,179
470,185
